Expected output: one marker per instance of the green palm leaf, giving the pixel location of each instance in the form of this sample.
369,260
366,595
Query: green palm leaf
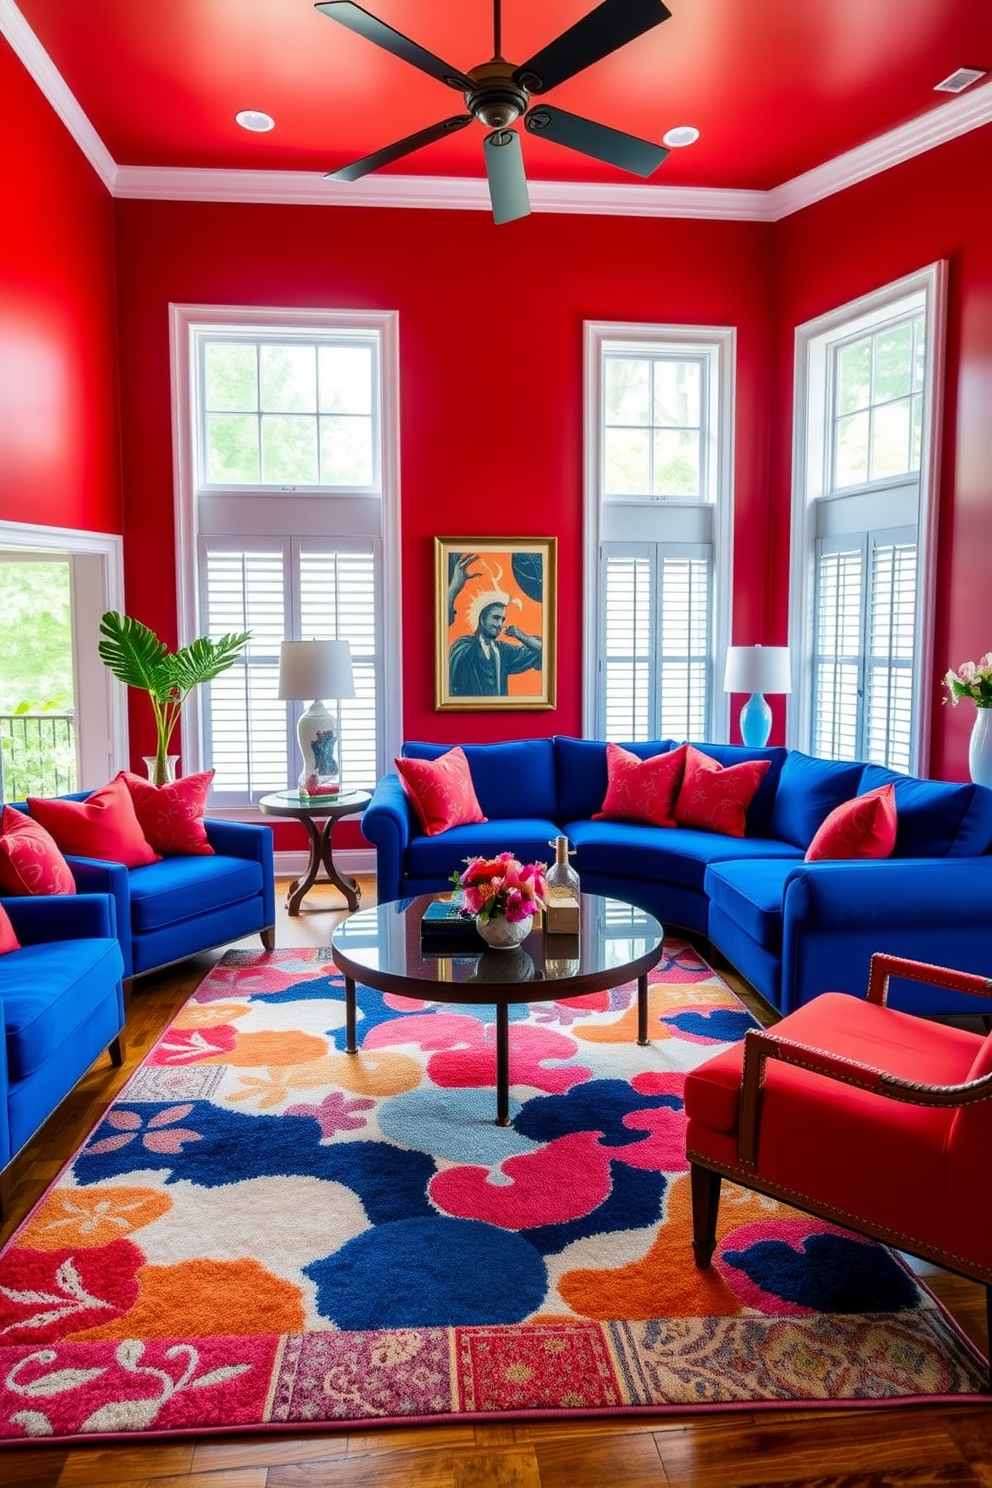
204,659
135,654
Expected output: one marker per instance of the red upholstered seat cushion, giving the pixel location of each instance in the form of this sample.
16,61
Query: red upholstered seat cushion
171,816
8,939
715,797
642,790
30,860
441,791
102,826
864,827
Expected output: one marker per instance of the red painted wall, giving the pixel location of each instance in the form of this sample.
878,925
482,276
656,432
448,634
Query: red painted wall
936,206
491,381
59,457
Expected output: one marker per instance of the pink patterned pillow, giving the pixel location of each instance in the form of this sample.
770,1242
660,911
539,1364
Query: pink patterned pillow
8,939
171,816
441,791
642,790
715,797
30,860
864,827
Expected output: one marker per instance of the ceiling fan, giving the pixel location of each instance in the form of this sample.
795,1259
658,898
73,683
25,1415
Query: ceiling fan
497,94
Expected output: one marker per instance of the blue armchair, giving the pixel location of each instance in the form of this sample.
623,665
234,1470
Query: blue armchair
61,1006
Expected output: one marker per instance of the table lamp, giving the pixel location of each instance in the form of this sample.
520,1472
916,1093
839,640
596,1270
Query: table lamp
757,670
316,670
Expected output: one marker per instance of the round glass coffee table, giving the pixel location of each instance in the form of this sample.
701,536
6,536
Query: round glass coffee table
381,947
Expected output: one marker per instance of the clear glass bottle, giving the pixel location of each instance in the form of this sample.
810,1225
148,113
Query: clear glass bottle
561,876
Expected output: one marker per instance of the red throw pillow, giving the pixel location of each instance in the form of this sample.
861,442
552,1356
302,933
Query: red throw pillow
8,939
171,816
441,791
30,861
714,797
102,826
862,828
642,790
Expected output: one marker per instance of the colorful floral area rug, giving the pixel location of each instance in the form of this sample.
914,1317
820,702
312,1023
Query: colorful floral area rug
268,1233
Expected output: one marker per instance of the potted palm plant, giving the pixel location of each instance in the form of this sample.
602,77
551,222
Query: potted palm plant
139,659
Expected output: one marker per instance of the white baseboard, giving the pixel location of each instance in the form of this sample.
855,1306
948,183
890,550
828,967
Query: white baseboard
357,860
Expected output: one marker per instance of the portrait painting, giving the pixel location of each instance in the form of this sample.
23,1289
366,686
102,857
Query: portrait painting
495,611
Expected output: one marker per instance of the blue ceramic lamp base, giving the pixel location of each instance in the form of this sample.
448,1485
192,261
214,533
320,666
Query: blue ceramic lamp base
756,721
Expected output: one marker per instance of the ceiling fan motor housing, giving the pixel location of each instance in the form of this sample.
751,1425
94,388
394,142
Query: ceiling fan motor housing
497,100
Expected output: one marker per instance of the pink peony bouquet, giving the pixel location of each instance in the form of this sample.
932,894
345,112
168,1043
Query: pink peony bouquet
973,679
502,885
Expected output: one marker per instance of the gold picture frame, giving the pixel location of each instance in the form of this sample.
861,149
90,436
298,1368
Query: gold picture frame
495,623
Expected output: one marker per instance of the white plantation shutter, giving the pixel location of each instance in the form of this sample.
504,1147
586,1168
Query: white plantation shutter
890,649
656,640
283,589
338,602
865,626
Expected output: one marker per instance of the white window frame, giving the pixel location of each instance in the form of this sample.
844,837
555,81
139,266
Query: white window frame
814,341
185,320
717,345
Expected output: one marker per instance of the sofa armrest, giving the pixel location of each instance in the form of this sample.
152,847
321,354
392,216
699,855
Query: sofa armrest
837,915
37,918
100,876
388,823
251,840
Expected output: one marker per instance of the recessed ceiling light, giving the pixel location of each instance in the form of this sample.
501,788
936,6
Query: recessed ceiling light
682,134
255,120
958,81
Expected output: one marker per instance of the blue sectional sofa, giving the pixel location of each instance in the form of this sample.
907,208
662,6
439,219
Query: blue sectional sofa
172,909
793,929
61,1006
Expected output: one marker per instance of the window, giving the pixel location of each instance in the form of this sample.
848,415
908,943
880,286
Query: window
868,379
658,525
288,512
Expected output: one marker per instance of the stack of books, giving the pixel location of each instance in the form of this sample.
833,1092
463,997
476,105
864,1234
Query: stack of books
446,931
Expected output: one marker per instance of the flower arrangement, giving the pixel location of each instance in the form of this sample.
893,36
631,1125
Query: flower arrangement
973,679
502,887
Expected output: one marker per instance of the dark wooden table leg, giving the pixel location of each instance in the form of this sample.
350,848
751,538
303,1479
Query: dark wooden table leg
502,1064
301,886
347,886
350,1016
642,1010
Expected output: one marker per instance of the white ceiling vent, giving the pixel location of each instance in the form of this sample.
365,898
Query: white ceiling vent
958,81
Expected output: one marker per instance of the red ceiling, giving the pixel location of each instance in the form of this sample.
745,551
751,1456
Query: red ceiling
776,87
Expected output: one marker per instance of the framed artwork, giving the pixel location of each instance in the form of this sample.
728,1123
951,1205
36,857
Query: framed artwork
495,612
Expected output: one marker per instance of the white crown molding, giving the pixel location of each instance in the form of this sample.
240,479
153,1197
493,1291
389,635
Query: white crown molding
39,64
445,193
946,122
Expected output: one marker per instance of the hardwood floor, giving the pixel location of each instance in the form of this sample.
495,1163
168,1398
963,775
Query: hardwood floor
917,1446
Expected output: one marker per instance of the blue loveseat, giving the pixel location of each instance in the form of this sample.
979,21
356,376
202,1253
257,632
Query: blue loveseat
793,929
61,1006
169,910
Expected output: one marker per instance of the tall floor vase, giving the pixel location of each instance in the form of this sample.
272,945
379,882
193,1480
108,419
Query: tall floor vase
980,748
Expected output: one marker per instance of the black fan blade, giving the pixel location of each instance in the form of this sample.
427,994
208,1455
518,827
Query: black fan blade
507,182
604,30
369,26
364,167
638,156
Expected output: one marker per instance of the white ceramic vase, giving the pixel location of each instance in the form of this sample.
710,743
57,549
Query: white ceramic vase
501,934
980,748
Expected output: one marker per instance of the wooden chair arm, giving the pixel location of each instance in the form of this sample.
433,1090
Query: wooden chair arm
761,1045
884,966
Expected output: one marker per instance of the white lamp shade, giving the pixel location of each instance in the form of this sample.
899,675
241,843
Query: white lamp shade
315,669
758,669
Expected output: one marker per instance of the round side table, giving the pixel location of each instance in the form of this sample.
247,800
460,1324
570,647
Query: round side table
318,814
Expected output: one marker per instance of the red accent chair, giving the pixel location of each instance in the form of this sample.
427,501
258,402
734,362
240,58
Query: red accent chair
878,1120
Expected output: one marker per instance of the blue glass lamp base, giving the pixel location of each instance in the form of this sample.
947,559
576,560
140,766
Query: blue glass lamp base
756,721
